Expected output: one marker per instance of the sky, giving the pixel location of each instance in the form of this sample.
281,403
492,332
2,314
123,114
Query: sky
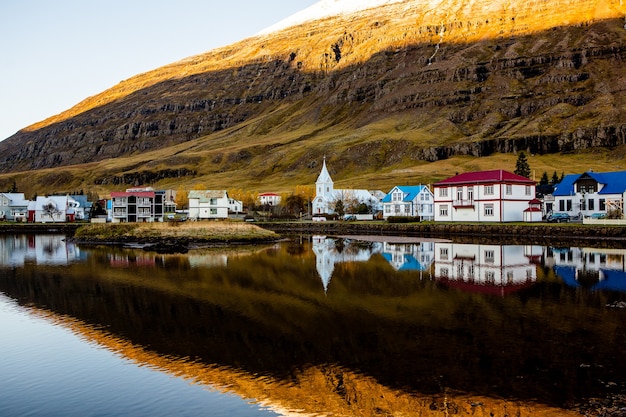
54,54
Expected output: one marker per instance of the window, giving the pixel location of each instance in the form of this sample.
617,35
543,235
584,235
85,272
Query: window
488,189
213,202
443,192
602,204
488,209
470,194
509,189
444,272
443,252
443,210
489,256
568,205
490,277
387,209
561,205
459,194
527,190
213,211
591,204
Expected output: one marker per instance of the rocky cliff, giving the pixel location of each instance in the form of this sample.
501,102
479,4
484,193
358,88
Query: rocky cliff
418,79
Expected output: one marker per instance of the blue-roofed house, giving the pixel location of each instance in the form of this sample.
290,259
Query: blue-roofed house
409,200
589,193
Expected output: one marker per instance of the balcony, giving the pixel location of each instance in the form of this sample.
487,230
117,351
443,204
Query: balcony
463,204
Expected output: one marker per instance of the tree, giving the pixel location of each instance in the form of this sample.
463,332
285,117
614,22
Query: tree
555,178
181,199
544,179
308,193
339,209
14,188
521,167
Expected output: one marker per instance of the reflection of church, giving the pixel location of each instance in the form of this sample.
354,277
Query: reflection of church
327,255
597,269
402,257
491,269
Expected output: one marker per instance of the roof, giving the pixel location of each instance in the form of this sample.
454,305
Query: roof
494,176
410,192
205,195
613,183
269,195
17,199
115,194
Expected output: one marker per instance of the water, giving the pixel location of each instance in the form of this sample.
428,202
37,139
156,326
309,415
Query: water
314,326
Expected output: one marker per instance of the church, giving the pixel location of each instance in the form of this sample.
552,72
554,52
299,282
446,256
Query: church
326,196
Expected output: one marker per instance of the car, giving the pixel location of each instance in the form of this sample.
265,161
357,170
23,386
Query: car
318,219
598,216
558,218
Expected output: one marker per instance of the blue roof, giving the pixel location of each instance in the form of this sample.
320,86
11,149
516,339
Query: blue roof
410,192
409,263
613,280
613,182
567,274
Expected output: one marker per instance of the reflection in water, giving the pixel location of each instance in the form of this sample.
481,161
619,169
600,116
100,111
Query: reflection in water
38,249
597,269
494,269
387,335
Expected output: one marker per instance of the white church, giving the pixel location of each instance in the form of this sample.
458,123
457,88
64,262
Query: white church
326,196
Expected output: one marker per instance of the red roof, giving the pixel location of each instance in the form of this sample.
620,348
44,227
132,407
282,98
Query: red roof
494,176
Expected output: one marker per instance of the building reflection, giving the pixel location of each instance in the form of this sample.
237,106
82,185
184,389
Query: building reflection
401,256
596,269
490,269
18,250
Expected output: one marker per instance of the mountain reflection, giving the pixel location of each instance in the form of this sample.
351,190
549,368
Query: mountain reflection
389,324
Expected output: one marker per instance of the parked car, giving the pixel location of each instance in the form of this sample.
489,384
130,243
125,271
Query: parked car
558,218
598,216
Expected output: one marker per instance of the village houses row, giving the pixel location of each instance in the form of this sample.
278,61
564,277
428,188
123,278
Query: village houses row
483,196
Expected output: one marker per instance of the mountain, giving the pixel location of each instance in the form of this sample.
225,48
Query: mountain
385,87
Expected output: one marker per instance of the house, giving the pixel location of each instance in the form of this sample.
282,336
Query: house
235,206
582,195
409,200
483,196
534,212
208,204
269,199
13,207
137,205
54,208
83,207
326,196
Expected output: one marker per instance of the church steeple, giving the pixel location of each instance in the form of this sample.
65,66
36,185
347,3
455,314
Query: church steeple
324,183
324,176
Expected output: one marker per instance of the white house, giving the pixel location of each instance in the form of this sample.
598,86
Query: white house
484,196
269,199
13,207
588,193
51,209
326,196
409,200
235,206
208,204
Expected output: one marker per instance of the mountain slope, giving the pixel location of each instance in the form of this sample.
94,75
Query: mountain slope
401,83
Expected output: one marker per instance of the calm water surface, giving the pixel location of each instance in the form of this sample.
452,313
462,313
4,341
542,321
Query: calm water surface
314,326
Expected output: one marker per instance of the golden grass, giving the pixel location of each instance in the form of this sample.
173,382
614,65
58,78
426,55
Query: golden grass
218,231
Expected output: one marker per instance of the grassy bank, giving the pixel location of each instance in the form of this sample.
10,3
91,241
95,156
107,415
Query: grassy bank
201,232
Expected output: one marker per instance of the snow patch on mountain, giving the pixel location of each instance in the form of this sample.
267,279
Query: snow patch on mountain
328,8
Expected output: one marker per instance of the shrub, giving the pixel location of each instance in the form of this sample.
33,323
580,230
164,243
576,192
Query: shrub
402,219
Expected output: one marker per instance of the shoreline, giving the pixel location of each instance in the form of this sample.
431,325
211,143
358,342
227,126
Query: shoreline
186,234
